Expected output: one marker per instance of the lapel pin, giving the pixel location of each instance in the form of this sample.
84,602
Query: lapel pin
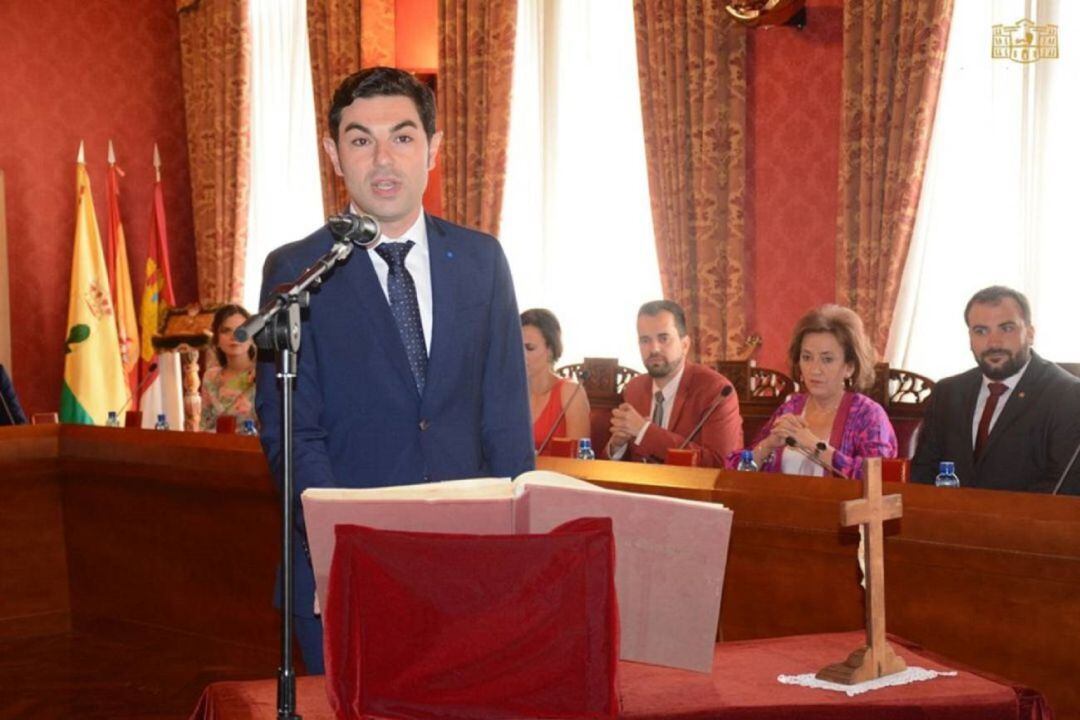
1021,393
450,254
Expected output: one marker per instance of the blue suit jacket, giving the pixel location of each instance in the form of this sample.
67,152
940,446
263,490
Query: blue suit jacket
11,412
358,418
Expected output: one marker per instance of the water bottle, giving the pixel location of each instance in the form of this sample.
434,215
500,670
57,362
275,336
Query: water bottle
113,420
746,461
248,428
162,423
947,475
584,450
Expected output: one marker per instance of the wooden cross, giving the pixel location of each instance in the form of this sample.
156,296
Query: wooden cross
876,658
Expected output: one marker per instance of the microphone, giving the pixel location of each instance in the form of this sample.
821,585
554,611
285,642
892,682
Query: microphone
362,230
724,392
582,377
139,388
1067,469
810,455
7,410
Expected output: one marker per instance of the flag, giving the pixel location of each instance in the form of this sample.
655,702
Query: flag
157,298
94,380
120,281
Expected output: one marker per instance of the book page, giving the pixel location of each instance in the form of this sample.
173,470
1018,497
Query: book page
480,507
671,555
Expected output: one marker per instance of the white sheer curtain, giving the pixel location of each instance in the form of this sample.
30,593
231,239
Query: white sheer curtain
576,223
999,204
286,195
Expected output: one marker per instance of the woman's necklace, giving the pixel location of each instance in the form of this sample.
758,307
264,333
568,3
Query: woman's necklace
824,410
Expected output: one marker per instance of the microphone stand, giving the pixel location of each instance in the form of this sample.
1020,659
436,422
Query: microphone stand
812,457
1067,469
277,327
728,389
582,377
139,388
7,410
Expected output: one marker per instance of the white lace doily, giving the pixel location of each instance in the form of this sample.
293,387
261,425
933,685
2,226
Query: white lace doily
911,675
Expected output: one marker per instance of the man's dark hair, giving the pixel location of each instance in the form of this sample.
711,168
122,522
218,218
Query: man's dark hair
548,325
994,295
383,81
655,307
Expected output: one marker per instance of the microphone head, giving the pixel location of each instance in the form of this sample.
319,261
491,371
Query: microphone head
362,230
583,375
728,389
790,441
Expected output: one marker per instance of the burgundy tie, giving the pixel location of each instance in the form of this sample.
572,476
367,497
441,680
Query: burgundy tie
996,389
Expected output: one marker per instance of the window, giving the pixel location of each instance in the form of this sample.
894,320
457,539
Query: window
285,187
998,204
576,222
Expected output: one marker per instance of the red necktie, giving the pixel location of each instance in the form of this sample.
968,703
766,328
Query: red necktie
988,412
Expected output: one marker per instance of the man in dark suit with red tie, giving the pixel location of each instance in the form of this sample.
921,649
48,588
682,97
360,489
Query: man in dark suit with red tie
1013,422
663,407
411,368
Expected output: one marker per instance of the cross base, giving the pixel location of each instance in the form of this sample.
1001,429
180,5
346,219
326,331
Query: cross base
862,665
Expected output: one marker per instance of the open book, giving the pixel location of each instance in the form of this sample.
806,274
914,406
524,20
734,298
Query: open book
670,554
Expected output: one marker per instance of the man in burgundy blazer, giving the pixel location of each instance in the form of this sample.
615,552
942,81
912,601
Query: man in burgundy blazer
663,407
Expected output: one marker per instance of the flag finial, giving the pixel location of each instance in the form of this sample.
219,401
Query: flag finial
112,155
81,159
157,163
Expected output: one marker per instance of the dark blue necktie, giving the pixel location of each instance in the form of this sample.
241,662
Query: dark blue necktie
404,306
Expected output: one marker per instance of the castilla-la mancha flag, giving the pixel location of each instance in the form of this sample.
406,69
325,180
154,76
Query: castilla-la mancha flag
94,381
160,374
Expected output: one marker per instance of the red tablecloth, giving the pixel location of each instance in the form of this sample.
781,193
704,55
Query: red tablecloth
742,685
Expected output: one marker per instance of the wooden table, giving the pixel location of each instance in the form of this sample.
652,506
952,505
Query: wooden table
179,531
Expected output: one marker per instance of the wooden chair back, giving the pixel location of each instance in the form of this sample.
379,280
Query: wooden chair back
603,380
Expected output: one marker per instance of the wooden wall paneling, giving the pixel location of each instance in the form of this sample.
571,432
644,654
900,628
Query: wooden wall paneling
175,530
179,531
34,598
988,579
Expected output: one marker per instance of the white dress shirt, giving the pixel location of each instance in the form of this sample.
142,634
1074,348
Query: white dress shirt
418,263
984,394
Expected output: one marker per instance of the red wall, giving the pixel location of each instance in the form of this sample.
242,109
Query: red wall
416,40
794,109
70,71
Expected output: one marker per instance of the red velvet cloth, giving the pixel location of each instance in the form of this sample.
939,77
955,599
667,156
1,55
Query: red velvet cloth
742,686
438,626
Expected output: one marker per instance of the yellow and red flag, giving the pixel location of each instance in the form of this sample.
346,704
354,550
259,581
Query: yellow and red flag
94,381
120,280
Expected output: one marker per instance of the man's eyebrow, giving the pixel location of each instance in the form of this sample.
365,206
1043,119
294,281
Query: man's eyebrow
357,126
403,124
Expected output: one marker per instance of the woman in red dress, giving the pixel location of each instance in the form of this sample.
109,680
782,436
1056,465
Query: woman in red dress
549,394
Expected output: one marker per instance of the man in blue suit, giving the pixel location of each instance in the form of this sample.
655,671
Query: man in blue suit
410,369
11,412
